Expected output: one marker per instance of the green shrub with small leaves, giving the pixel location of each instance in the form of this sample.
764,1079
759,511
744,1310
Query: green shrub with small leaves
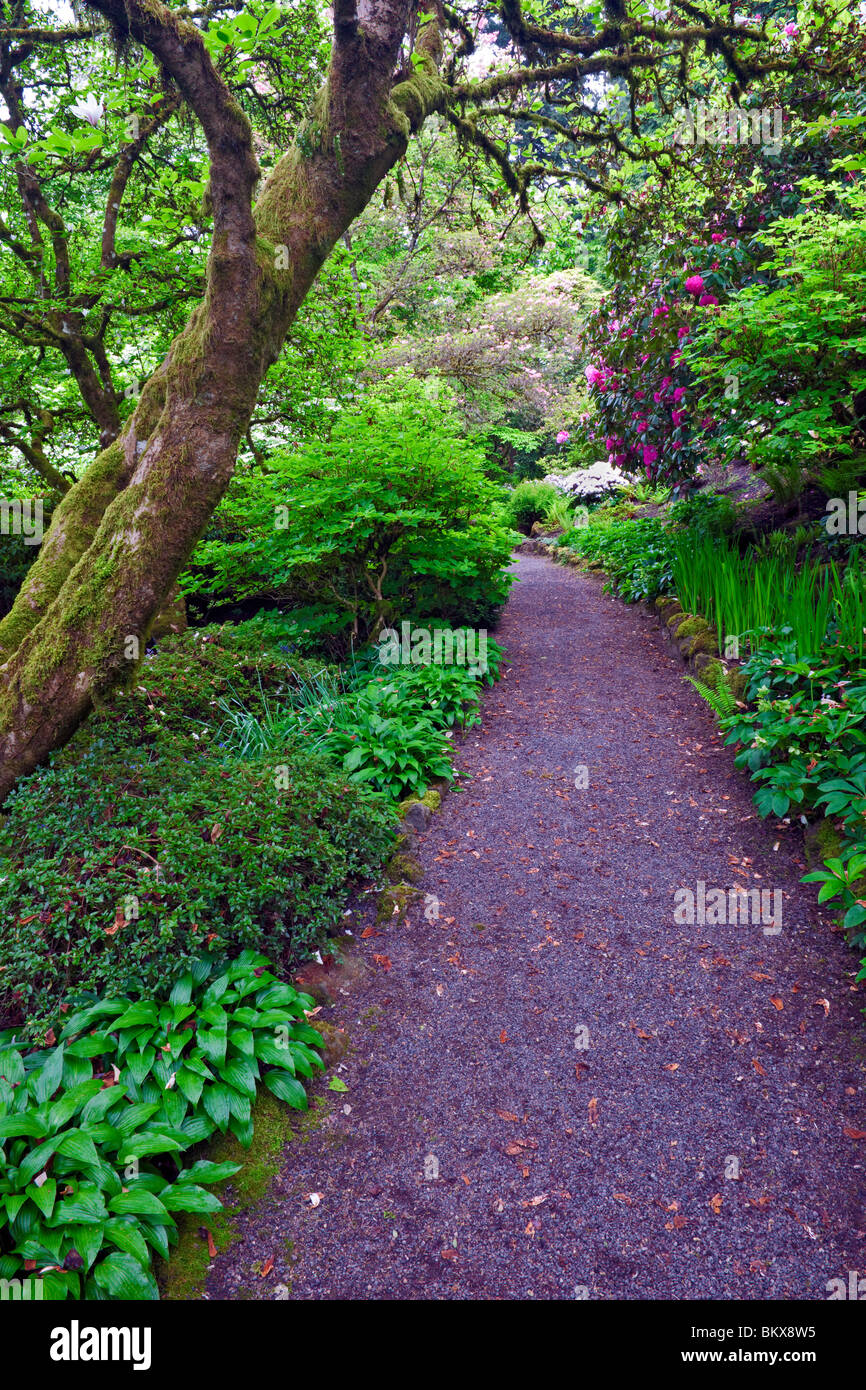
119,870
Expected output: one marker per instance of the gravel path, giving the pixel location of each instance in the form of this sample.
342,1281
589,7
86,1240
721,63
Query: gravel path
618,1106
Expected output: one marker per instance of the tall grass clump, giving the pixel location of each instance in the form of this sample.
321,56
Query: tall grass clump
758,596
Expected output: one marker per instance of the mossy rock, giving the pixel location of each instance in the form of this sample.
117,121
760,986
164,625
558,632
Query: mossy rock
711,670
691,627
403,868
431,798
335,1043
673,620
666,604
737,683
394,903
822,842
703,642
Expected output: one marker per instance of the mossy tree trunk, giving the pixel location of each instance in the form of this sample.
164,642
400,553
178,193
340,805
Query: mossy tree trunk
121,536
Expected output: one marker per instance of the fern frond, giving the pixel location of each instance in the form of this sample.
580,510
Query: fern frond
722,701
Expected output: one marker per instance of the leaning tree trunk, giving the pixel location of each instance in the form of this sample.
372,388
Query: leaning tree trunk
121,536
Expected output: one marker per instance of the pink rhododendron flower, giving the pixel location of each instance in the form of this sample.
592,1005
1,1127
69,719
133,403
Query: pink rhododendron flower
678,394
708,299
717,237
563,437
593,376
678,416
694,284
791,30
650,454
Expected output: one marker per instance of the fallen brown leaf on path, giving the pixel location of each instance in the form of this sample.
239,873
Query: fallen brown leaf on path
593,1111
854,1133
672,1066
267,1266
716,1203
367,932
776,1001
825,1005
758,1068
384,961
535,1201
507,1115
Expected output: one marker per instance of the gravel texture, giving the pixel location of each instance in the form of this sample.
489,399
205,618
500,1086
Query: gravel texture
617,1106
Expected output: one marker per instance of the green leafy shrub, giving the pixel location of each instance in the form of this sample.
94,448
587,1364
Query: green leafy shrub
392,518
93,1129
636,554
803,738
116,871
797,339
386,726
528,503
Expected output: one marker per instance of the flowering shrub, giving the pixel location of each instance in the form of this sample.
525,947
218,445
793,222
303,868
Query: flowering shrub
588,484
639,385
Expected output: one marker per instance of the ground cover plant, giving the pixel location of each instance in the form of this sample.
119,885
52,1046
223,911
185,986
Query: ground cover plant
95,1127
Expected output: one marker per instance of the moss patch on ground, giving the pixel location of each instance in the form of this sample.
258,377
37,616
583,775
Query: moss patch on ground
183,1276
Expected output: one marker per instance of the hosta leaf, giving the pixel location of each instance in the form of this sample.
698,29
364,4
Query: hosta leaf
213,1042
242,1075
286,1088
197,1128
60,1284
87,1240
98,1106
190,1084
35,1161
188,1197
126,1236
182,992
144,1012
44,1082
121,1276
148,1143
137,1202
204,1170
270,1050
27,1126
140,1063
134,1116
94,1045
43,1195
217,1103
83,1207
80,1147
11,1065
242,1130
71,1101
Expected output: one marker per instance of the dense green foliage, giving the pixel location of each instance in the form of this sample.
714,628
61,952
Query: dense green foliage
389,519
93,1128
